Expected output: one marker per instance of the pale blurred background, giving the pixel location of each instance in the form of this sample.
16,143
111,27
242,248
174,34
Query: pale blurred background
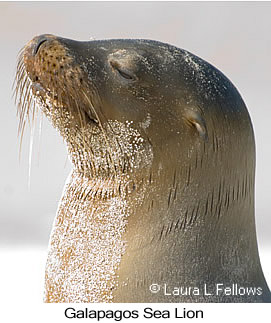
235,37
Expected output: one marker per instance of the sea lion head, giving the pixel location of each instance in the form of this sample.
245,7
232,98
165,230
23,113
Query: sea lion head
120,104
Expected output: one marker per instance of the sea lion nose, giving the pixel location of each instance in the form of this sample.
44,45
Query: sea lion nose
39,41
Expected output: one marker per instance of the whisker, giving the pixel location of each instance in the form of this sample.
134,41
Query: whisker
40,133
30,154
21,138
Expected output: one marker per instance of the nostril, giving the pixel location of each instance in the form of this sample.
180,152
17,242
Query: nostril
38,44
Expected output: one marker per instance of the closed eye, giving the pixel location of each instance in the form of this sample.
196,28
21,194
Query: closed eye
123,72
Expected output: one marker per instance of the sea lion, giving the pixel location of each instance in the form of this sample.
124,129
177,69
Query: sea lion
159,206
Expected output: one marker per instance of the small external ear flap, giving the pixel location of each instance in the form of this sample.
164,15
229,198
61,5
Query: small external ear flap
195,120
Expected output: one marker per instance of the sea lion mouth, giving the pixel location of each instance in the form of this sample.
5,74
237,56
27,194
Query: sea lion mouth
40,93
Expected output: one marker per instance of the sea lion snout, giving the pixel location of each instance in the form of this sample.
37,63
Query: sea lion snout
45,56
48,71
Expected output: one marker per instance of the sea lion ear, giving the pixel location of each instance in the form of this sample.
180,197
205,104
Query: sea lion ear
195,120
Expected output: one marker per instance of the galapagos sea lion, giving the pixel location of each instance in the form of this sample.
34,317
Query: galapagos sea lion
159,206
